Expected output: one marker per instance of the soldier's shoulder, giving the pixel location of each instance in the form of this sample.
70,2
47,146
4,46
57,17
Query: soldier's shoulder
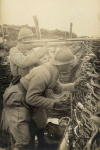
13,50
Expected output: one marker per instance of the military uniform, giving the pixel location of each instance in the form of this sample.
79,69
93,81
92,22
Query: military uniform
23,58
17,103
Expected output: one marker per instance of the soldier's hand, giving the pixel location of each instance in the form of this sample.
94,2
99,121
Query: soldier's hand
77,82
57,103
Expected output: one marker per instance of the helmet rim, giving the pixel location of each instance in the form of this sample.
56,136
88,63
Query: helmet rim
24,37
58,63
25,32
63,56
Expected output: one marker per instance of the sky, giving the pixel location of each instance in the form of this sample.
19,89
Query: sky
54,14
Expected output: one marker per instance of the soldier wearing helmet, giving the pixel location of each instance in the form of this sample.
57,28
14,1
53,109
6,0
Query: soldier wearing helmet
23,57
29,93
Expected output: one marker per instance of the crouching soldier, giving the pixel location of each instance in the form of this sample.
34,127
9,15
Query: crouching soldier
26,99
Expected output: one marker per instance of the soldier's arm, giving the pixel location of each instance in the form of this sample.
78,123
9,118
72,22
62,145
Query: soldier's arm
38,84
59,87
71,86
42,51
22,60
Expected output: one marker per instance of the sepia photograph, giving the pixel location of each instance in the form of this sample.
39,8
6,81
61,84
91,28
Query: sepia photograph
50,75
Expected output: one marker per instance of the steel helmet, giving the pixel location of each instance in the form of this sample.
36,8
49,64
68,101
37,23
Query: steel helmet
25,32
63,56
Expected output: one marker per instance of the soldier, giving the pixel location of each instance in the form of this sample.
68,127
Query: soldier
23,57
26,99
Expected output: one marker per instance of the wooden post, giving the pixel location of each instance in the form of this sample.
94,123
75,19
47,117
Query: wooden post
37,27
3,39
71,30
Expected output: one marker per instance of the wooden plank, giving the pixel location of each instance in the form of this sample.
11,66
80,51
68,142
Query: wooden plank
52,42
42,43
83,39
64,40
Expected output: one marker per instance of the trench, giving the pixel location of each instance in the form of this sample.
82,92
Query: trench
79,107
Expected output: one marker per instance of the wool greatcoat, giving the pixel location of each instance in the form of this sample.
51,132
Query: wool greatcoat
23,58
17,114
